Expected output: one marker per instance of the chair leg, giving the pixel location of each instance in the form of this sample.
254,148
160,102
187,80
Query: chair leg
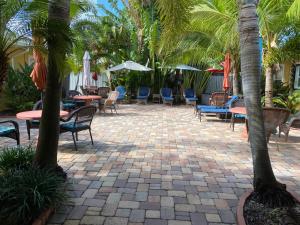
91,136
115,109
18,137
28,128
287,135
74,140
76,136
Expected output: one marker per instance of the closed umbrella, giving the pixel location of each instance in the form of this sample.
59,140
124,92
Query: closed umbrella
39,72
226,82
86,69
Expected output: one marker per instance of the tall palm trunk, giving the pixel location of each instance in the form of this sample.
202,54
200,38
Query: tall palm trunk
269,87
266,189
235,81
58,13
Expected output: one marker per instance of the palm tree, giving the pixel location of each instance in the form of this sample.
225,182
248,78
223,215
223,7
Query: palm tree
267,189
58,42
10,35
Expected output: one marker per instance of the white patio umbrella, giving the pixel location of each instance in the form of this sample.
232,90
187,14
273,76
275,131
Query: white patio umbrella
129,65
186,67
86,81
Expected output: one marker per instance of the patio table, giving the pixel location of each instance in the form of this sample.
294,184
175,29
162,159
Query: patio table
87,98
36,115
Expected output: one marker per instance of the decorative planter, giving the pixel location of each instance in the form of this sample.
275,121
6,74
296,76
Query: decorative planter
243,198
43,218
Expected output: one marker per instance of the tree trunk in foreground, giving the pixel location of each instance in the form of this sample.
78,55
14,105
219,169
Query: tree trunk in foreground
269,87
3,69
235,80
58,13
266,189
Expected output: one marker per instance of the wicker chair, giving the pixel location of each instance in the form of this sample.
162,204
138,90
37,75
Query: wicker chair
274,117
70,103
103,91
234,116
34,124
79,120
110,102
167,95
218,98
143,95
292,123
10,131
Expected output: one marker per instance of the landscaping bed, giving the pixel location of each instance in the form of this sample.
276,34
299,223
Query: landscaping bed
258,214
27,193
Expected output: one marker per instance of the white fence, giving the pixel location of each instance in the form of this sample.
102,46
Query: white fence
101,82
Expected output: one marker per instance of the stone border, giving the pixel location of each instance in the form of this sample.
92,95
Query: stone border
242,200
42,219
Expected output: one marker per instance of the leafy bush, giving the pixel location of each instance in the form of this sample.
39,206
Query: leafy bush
25,190
16,158
25,194
291,102
19,91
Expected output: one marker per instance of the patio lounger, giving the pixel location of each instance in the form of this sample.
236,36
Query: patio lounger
167,96
215,111
292,123
143,94
227,105
190,96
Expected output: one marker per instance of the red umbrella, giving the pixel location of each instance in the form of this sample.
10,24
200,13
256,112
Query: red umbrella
39,72
214,70
226,82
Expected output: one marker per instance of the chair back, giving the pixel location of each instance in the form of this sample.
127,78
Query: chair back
144,91
84,90
294,121
112,98
121,90
103,91
38,105
273,117
166,92
219,98
72,93
84,115
189,93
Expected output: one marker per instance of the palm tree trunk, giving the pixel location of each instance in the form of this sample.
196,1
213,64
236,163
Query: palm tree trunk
46,155
235,83
269,87
266,189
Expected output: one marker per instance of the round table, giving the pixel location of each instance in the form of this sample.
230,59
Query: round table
87,98
36,115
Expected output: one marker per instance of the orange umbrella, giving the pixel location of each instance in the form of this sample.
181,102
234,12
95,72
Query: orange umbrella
39,72
226,82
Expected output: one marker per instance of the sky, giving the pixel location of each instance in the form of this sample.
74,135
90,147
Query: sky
106,4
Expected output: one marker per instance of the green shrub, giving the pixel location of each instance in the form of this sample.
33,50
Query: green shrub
25,194
16,158
291,102
19,92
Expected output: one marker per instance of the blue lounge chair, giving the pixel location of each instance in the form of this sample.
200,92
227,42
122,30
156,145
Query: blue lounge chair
143,94
122,93
216,109
10,131
166,95
190,96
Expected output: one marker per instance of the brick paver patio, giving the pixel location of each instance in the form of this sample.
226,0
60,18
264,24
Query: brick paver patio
158,165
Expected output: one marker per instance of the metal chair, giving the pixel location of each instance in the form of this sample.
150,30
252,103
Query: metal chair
234,116
292,123
10,131
34,124
79,120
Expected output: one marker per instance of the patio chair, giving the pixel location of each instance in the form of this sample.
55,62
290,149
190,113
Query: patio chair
190,96
292,123
143,95
110,102
122,93
70,103
216,109
236,116
219,98
10,131
34,124
167,96
274,117
79,120
84,90
103,91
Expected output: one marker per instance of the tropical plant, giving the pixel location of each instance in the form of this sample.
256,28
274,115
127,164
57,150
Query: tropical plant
26,193
291,102
19,92
9,35
18,158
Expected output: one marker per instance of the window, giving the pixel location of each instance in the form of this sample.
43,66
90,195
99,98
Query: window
280,74
297,77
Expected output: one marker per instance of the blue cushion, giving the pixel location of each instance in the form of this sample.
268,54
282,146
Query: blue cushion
192,99
199,107
143,91
121,90
35,122
219,110
69,105
71,126
120,97
142,97
232,100
166,92
189,93
240,116
168,98
6,130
